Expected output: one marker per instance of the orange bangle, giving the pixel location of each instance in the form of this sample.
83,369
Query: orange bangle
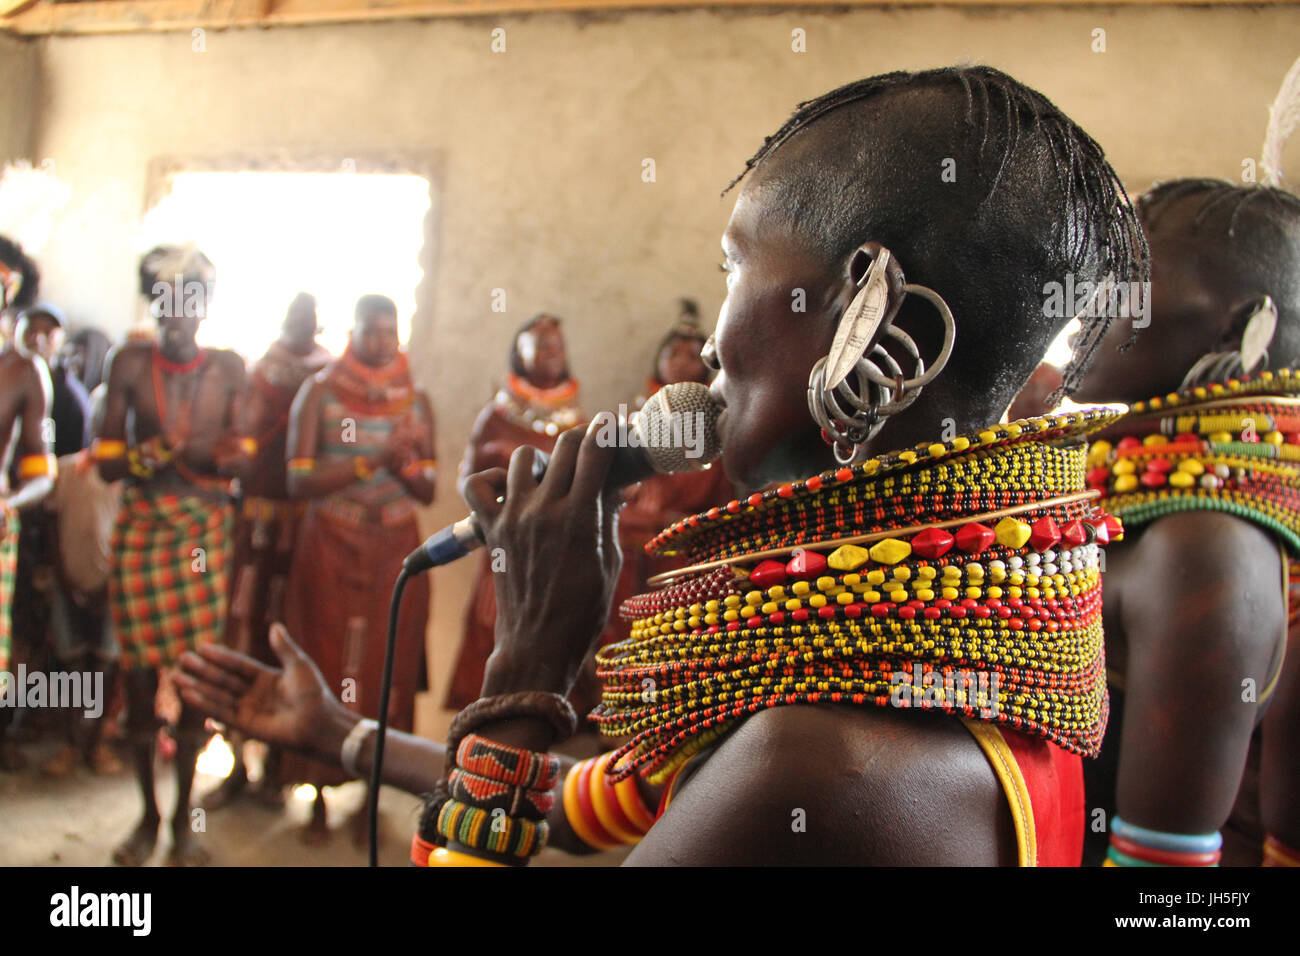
585,829
605,805
361,468
106,449
248,446
37,466
633,804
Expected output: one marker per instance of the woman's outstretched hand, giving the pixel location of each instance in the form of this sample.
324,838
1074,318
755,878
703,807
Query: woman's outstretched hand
292,707
558,556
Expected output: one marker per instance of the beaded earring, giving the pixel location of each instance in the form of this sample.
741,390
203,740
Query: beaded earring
1249,356
850,418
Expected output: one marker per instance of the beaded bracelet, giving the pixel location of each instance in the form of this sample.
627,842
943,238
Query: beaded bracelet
492,831
509,765
460,821
472,789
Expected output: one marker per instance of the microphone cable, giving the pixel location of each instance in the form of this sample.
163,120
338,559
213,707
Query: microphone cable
381,732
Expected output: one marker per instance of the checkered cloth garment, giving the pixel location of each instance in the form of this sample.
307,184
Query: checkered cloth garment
168,585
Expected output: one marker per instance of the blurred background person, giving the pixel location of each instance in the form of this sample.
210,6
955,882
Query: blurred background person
361,440
266,523
25,399
538,401
85,508
171,430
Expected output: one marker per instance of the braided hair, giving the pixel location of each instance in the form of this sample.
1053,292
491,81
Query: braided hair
1255,232
1038,176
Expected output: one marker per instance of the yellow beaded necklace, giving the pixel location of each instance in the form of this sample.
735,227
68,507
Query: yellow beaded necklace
979,595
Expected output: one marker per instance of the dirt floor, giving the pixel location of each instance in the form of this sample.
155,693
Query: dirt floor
78,820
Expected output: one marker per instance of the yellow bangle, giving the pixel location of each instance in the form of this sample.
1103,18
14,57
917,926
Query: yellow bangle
361,468
444,857
633,804
107,449
600,796
37,466
248,446
574,815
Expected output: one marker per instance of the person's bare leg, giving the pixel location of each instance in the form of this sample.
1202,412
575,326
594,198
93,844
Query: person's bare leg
65,761
187,849
230,789
141,691
360,823
268,791
317,832
99,755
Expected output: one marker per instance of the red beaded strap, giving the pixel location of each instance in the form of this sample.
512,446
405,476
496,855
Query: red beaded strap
507,765
490,794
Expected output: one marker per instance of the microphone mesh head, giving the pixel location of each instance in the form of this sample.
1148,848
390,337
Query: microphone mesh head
678,427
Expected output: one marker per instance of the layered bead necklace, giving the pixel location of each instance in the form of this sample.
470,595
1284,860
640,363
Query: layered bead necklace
1231,447
961,575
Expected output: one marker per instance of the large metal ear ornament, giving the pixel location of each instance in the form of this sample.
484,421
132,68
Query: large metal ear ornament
709,354
1258,336
861,356
1249,357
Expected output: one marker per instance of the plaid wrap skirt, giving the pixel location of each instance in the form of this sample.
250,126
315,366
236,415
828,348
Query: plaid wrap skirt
168,584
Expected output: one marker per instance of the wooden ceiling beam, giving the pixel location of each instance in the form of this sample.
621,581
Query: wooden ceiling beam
44,17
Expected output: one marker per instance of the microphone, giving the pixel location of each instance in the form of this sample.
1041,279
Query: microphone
674,432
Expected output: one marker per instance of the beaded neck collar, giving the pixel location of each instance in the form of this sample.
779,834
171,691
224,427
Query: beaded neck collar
685,537
981,579
1232,447
387,390
545,410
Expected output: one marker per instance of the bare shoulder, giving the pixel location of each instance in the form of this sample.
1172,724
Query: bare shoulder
1182,566
129,358
1206,540
228,360
17,367
829,785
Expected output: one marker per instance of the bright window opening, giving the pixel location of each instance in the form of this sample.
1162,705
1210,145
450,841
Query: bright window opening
272,235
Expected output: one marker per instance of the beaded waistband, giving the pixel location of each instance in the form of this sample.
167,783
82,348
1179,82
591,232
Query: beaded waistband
272,509
389,515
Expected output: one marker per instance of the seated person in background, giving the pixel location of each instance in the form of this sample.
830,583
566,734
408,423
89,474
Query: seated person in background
759,689
1204,470
361,452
